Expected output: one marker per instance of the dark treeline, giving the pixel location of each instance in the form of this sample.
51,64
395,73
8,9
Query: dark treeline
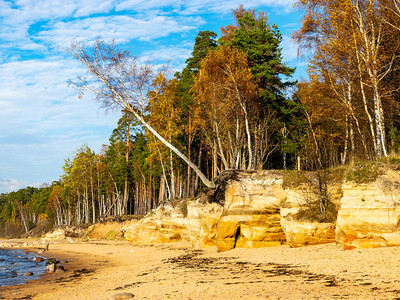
234,106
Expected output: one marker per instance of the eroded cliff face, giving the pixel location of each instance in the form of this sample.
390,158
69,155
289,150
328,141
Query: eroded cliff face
301,213
305,233
370,212
248,217
108,230
256,211
164,225
301,233
202,222
251,214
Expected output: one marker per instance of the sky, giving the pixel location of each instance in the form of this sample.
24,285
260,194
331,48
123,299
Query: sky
42,119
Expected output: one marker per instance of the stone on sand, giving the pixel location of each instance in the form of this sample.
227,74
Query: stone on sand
51,268
122,296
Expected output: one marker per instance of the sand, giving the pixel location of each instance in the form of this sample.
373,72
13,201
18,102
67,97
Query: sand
101,269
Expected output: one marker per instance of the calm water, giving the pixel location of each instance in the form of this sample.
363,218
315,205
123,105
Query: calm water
15,263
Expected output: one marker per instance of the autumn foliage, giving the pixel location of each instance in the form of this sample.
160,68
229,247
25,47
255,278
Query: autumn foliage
233,106
352,92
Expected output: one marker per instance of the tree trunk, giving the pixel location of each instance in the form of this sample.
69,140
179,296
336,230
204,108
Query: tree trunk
173,191
246,121
23,221
162,190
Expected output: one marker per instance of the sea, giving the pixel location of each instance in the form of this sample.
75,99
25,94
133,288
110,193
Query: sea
14,264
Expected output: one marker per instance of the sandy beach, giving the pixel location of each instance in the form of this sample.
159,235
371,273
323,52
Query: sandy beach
102,269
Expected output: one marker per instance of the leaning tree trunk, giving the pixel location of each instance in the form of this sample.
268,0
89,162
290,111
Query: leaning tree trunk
202,177
97,67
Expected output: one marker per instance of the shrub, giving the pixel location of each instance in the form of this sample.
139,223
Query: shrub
319,189
363,171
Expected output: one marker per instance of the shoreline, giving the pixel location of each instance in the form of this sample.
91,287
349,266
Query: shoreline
100,269
29,288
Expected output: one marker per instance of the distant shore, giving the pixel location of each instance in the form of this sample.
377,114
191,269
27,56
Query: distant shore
102,269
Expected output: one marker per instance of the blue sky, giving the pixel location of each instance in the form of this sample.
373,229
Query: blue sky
42,121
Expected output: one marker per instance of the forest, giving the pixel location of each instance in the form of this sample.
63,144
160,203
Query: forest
235,105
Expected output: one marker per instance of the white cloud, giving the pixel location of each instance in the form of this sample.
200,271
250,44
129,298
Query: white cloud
26,11
137,5
120,28
42,121
36,25
226,6
87,8
36,91
174,54
24,17
10,185
289,49
201,6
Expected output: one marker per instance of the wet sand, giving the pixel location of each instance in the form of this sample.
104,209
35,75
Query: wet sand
101,269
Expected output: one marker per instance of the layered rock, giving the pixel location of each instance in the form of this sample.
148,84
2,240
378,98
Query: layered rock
173,223
255,211
247,217
164,225
252,209
56,234
194,221
369,215
302,233
109,230
62,233
251,216
202,222
301,230
309,212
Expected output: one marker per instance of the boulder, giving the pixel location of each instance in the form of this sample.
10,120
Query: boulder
60,267
52,261
74,232
369,215
62,233
59,271
122,296
28,274
51,268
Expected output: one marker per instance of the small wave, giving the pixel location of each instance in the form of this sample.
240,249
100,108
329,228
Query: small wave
15,264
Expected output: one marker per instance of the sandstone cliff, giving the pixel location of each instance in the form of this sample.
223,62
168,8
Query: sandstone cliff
258,209
164,225
308,214
370,212
300,229
249,216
